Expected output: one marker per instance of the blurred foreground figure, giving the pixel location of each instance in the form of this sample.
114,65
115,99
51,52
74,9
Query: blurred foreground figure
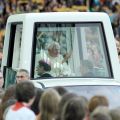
74,109
97,100
25,95
101,113
115,113
49,105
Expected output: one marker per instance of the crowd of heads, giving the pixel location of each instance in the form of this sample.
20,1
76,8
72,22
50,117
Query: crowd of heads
9,7
56,103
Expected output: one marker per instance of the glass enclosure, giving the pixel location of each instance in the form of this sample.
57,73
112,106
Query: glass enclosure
70,50
112,93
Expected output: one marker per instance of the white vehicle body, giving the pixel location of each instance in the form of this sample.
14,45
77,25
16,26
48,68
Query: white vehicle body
20,49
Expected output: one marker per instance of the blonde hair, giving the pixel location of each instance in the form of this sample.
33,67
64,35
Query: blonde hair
49,104
96,101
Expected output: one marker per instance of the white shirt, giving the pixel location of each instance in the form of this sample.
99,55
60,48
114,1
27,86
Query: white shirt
23,113
57,67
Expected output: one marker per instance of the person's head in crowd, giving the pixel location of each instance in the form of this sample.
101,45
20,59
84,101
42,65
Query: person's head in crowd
35,105
86,68
1,79
96,101
7,99
85,101
74,109
43,69
67,96
54,49
49,104
9,93
22,74
115,113
25,92
101,113
61,90
6,106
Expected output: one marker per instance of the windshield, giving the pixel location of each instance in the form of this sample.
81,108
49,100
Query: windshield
70,50
111,92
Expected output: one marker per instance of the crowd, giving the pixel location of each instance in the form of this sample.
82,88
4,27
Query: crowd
26,102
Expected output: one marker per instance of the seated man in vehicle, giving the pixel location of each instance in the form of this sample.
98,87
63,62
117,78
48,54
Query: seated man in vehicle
59,66
22,74
86,68
43,69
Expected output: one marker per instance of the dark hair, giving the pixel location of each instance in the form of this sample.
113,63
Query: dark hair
74,109
67,96
35,105
61,90
9,93
25,91
45,65
96,101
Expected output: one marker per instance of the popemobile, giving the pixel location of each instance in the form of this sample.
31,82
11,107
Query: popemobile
77,50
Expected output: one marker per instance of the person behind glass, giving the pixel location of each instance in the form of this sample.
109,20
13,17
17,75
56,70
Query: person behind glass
22,74
43,69
86,68
59,67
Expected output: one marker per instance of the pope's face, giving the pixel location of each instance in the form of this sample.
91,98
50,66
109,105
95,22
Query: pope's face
54,52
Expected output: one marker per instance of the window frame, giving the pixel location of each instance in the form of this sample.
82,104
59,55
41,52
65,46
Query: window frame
103,42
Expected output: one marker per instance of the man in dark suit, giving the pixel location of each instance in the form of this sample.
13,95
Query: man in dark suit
43,69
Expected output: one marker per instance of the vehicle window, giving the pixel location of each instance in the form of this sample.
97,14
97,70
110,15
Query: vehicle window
70,50
111,92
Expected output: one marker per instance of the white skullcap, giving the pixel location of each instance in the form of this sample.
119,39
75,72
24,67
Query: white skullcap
52,44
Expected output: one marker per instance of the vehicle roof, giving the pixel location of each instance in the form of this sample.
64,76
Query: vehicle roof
59,16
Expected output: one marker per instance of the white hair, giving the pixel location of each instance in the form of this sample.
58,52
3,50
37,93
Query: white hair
52,44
